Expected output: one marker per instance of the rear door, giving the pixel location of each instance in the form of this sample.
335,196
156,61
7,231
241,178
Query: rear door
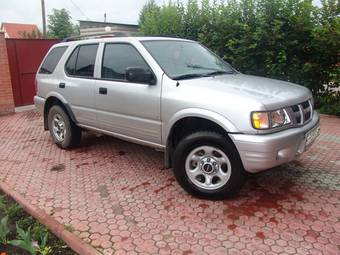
48,77
126,108
77,85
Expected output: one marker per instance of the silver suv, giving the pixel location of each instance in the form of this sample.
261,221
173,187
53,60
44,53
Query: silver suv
213,123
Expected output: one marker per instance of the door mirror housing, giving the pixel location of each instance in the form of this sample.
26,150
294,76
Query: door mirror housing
140,75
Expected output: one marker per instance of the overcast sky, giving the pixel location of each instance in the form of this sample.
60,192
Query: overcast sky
120,11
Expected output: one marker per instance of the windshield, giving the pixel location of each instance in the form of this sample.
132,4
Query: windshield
186,59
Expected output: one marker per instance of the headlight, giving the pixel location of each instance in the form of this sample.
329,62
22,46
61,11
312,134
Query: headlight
272,119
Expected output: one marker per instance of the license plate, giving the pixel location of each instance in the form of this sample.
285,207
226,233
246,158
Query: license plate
312,135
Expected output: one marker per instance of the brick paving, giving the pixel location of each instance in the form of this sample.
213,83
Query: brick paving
118,197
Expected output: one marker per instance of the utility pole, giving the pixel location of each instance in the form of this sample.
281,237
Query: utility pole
43,17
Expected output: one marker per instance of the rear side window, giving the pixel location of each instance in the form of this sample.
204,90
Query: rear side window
52,60
71,62
82,60
118,57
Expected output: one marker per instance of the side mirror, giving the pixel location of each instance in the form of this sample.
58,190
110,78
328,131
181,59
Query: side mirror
139,75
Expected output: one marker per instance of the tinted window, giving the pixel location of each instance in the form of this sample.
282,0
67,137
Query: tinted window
52,60
118,57
82,60
71,62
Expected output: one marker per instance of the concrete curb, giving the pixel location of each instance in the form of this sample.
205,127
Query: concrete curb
73,241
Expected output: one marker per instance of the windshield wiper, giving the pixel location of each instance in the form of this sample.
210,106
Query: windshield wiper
189,76
219,72
45,71
201,67
214,70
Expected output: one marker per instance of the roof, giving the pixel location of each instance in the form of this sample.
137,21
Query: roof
15,30
91,24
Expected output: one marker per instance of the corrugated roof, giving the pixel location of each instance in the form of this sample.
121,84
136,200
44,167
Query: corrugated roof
88,23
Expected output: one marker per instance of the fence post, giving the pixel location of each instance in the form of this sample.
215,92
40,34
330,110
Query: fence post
6,93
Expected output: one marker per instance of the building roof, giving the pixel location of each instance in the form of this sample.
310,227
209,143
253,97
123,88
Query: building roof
93,24
15,30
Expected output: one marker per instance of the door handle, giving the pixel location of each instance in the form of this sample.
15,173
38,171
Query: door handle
103,91
62,85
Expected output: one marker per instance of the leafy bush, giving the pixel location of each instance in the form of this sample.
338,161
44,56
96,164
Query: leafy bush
15,212
284,39
20,231
24,241
4,230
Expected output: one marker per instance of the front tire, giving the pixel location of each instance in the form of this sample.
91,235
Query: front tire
64,132
207,165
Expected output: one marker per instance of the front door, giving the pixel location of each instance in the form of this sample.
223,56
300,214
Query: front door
126,108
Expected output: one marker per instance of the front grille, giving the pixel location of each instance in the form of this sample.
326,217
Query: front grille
302,113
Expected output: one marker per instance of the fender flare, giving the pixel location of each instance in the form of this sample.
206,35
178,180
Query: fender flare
65,105
217,118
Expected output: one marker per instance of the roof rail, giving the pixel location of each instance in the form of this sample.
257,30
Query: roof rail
94,35
165,35
112,34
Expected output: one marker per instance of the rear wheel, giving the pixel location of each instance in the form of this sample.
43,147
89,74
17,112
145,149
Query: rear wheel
63,131
207,164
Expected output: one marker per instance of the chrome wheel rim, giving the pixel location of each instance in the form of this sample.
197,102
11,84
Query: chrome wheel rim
208,167
58,126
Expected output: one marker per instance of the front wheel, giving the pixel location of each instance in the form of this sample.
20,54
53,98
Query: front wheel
207,165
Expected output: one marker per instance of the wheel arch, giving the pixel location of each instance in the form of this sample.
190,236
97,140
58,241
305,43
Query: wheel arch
56,99
192,120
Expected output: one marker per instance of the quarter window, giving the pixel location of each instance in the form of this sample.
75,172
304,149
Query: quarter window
117,58
52,60
82,60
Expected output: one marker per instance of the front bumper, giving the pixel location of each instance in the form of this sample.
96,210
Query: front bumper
261,152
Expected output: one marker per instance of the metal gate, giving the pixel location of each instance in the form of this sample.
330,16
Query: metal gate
24,57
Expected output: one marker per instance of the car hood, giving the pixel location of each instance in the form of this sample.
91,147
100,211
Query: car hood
272,94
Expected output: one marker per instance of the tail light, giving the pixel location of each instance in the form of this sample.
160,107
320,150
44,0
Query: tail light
36,85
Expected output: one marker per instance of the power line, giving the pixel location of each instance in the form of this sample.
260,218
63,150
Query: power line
75,5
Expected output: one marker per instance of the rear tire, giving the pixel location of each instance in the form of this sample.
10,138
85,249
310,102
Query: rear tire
64,132
207,165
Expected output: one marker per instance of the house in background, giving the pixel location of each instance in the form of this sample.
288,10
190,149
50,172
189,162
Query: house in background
96,27
19,31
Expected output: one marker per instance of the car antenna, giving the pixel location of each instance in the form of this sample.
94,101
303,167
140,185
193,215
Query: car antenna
177,83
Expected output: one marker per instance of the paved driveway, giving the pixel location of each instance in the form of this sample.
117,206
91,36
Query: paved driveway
117,196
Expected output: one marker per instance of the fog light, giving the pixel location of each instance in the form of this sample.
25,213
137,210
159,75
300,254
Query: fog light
285,154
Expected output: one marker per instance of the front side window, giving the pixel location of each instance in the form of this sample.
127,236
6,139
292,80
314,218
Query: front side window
186,59
117,58
82,60
52,60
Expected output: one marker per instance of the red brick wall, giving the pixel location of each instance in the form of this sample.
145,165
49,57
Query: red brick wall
6,93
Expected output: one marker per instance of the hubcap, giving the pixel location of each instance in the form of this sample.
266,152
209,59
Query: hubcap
208,167
58,125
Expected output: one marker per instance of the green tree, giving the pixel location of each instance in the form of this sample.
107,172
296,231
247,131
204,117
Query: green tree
60,24
166,20
284,39
149,7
